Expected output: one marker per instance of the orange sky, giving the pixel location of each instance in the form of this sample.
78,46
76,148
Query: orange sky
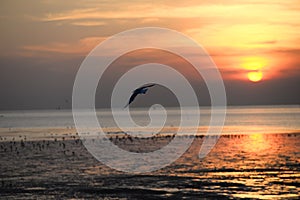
233,32
241,36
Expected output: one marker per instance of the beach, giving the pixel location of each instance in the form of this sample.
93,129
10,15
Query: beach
53,163
61,167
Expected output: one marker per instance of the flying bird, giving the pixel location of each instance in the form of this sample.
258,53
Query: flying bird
140,90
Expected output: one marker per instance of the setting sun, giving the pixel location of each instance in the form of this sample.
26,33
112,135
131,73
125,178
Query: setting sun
254,67
255,76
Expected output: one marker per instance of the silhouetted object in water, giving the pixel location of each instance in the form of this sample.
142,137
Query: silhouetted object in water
140,90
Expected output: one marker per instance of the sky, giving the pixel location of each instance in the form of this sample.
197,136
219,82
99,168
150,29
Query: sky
255,44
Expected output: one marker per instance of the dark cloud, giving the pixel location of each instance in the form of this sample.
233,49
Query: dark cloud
276,91
25,84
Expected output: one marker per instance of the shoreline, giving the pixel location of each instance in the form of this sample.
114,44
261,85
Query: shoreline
38,134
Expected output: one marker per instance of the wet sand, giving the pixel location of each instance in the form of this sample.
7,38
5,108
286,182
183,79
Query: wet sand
56,165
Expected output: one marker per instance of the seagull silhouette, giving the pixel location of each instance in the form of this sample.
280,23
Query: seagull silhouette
140,90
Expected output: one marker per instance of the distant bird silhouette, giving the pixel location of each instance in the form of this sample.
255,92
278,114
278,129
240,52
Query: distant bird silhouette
140,90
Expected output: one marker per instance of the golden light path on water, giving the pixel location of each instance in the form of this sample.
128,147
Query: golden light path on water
256,142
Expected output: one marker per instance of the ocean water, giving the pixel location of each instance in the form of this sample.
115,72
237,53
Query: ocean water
257,157
239,119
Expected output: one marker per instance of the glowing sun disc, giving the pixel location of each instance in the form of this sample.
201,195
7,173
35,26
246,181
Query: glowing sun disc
255,76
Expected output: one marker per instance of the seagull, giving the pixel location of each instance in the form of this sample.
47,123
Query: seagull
140,90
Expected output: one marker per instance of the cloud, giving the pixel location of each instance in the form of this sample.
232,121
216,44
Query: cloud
82,47
88,23
266,42
213,11
295,51
147,10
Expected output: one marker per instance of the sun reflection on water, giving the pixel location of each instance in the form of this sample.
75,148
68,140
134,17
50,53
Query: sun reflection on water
256,143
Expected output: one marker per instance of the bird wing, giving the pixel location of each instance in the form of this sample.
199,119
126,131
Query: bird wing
151,85
132,97
136,92
143,87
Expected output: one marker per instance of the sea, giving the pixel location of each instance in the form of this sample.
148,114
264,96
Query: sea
256,157
239,119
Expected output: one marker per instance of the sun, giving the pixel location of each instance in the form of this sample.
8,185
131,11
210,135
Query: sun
255,76
254,66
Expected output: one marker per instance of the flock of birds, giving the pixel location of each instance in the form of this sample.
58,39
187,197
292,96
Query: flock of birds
17,145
